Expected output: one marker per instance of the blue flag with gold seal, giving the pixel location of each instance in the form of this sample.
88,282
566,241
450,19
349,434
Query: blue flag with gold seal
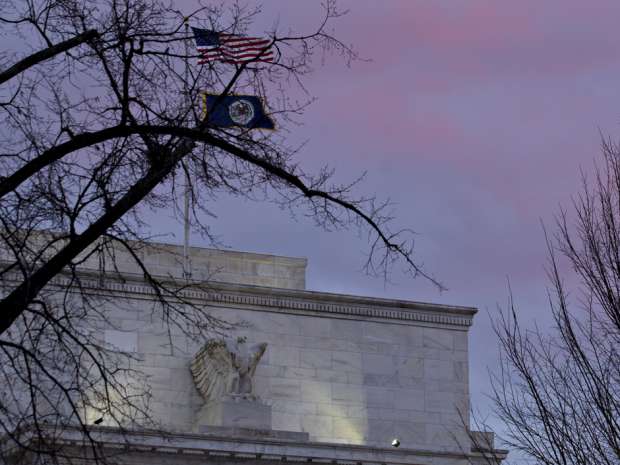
245,111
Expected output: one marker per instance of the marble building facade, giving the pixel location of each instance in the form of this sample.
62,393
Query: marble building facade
341,376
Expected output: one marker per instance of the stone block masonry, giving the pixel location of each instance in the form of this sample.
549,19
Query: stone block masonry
343,369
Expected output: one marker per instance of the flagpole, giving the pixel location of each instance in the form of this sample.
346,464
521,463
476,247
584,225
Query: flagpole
187,273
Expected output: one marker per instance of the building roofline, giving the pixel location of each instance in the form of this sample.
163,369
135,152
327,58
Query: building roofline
293,301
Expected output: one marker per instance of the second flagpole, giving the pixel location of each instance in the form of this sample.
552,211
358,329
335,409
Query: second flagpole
187,272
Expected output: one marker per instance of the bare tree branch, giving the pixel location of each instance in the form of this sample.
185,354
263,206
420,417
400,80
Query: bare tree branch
46,54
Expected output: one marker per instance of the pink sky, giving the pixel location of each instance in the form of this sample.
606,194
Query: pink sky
474,117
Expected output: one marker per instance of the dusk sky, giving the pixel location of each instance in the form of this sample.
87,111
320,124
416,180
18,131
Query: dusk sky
475,118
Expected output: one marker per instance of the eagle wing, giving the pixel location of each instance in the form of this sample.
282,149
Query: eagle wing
211,369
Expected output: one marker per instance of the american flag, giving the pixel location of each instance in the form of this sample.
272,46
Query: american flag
230,48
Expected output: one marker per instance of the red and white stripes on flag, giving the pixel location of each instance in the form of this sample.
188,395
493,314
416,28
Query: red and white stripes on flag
230,48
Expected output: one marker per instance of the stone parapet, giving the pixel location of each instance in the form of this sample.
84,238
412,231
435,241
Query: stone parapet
167,261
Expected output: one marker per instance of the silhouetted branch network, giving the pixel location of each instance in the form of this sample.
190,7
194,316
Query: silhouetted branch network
558,390
102,122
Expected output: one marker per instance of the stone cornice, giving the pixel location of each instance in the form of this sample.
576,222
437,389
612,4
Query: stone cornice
339,305
285,300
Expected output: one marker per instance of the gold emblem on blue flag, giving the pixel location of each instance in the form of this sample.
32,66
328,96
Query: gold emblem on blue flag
246,111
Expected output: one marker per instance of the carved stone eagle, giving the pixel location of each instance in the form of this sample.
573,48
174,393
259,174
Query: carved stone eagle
225,368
